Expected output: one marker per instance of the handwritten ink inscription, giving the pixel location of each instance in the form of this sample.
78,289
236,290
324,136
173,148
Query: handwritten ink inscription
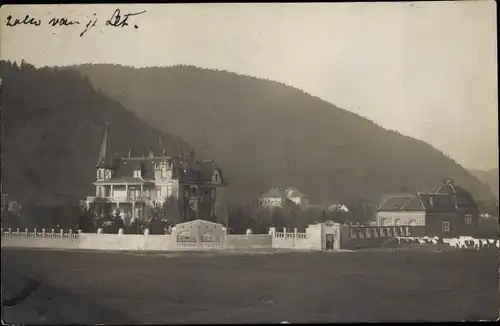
121,21
117,20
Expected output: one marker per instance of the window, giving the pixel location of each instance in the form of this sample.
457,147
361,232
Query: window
468,219
445,226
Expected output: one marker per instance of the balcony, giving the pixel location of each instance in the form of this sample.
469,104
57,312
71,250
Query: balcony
118,199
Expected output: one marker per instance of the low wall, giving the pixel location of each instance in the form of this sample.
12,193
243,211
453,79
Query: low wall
30,241
252,241
126,242
117,242
288,240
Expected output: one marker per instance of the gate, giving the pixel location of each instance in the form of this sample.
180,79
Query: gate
199,235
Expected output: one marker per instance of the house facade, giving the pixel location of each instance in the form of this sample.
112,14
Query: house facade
446,212
133,183
274,198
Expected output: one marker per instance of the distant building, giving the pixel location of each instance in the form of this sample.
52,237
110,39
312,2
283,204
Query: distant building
133,183
297,197
338,208
277,198
447,212
272,198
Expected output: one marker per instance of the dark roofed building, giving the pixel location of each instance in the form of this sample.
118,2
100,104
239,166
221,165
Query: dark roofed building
447,212
132,183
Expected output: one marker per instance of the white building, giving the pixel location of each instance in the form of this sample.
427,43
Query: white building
276,198
338,208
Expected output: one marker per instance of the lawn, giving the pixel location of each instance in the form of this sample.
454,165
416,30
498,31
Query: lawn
127,288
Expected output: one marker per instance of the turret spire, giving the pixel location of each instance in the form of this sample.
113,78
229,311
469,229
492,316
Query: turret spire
106,159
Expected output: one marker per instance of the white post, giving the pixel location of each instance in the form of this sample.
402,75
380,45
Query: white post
284,232
79,232
43,232
18,231
99,230
249,231
146,232
61,232
294,236
53,231
272,231
34,231
10,231
120,232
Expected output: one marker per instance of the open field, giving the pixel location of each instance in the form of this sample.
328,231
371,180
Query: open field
128,288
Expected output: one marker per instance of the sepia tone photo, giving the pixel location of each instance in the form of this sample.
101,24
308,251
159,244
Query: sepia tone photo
242,163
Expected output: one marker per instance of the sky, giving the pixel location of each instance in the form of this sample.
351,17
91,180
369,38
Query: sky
425,69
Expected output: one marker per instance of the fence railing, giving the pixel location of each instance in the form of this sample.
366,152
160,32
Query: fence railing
43,233
289,235
361,232
119,199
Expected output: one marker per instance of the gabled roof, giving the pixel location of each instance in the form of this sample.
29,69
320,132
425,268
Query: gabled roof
272,193
397,203
447,197
294,193
338,207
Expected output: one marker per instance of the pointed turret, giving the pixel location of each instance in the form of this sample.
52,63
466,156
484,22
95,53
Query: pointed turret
106,159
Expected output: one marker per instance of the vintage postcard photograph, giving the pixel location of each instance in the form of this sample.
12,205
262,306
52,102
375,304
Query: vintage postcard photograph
236,163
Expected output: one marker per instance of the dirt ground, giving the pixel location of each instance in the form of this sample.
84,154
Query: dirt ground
162,288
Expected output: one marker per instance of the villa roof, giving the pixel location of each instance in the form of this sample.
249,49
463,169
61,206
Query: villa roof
184,169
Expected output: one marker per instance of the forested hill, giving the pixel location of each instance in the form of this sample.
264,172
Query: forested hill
266,134
489,178
53,124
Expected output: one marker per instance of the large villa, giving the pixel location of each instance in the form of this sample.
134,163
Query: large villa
132,183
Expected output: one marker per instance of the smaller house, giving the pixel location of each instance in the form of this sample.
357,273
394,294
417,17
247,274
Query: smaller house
448,211
297,197
272,198
276,198
338,208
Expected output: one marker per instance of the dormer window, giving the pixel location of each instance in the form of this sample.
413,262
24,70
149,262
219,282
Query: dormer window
216,177
137,173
